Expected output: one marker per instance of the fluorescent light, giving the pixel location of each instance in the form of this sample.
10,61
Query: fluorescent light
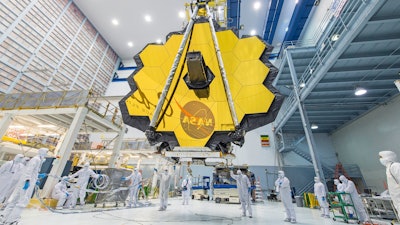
397,83
257,5
253,32
17,126
130,44
182,14
297,1
46,126
335,37
302,85
159,41
360,91
147,18
115,22
286,29
314,126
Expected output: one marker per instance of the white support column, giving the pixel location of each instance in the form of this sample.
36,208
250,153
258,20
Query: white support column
114,162
177,173
5,123
65,150
82,159
2,155
138,163
304,119
154,182
60,141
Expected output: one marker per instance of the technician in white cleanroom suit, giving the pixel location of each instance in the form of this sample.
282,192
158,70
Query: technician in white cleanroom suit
25,160
282,185
339,186
320,193
389,160
60,192
24,189
10,172
186,187
350,188
135,181
165,179
244,188
80,186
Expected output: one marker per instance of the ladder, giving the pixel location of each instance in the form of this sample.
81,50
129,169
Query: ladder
339,170
258,192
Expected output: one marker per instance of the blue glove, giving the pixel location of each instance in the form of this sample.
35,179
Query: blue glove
323,198
38,182
123,178
26,185
140,186
66,193
155,170
42,175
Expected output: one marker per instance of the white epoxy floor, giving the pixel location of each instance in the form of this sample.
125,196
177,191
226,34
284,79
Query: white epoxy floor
197,212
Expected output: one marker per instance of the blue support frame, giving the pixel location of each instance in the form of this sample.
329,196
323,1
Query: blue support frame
272,20
233,13
299,19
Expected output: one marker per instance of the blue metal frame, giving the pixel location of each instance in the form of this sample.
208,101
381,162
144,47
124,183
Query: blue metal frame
121,67
299,19
233,13
272,20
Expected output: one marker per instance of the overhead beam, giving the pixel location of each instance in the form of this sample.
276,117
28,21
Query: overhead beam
381,40
104,122
29,112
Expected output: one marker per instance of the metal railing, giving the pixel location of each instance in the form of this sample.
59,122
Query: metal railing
334,25
61,99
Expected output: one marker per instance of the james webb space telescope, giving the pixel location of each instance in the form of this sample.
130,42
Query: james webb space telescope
202,90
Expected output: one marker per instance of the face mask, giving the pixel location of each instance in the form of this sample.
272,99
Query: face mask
384,161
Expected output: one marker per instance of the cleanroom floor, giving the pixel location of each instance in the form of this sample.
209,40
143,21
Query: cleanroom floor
197,212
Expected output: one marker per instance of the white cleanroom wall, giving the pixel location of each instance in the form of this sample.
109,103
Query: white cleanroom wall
360,142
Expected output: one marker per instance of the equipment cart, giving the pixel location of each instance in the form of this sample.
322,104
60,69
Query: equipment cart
117,191
381,208
200,188
342,207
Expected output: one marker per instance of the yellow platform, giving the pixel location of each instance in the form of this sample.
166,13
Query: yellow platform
35,203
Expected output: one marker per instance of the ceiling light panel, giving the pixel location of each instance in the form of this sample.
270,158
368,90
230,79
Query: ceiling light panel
181,14
360,91
115,22
147,18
